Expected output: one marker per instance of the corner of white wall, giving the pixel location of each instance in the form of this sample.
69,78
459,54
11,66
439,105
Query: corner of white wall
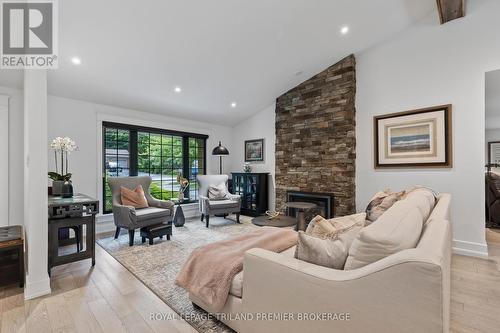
260,125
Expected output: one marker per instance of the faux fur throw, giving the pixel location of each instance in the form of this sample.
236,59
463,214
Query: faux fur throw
210,269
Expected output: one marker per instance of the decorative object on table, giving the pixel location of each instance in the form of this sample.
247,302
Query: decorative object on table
253,188
62,148
254,150
272,215
279,221
179,218
159,211
12,255
231,204
418,138
183,185
247,167
67,189
75,212
220,151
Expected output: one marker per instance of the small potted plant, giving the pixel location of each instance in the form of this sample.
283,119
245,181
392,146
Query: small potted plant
62,147
184,183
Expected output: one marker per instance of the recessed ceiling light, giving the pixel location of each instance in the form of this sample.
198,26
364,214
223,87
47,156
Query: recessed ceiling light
233,105
177,89
76,61
344,30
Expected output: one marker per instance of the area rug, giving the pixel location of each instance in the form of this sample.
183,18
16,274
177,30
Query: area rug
157,265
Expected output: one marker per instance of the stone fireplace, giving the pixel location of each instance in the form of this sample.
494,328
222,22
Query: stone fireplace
315,137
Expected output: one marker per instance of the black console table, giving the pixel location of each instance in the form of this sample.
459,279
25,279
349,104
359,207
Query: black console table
74,213
253,190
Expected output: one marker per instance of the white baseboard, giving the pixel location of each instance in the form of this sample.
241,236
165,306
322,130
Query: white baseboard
105,223
470,249
34,289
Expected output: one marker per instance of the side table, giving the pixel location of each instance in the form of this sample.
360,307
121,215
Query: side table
79,212
300,207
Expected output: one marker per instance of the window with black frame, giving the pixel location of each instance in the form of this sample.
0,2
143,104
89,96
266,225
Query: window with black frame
162,154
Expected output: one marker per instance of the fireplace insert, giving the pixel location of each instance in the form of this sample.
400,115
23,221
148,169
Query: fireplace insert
324,201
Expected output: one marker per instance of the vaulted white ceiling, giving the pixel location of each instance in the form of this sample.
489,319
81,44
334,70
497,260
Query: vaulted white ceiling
135,52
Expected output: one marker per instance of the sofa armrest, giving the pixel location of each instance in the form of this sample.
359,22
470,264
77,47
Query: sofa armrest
124,216
165,204
391,295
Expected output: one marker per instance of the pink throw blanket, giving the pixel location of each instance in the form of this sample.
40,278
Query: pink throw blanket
210,269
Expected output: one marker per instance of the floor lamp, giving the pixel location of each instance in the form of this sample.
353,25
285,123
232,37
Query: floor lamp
220,151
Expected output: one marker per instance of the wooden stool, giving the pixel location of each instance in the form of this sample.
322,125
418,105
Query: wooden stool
12,255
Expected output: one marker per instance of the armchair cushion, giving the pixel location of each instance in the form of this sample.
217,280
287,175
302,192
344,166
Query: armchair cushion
135,198
152,213
223,204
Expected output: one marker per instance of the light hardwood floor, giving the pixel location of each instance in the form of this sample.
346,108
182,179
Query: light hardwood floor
108,298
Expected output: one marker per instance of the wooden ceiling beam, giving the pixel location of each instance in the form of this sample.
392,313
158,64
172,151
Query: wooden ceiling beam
450,10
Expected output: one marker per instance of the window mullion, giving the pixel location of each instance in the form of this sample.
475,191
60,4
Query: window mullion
134,153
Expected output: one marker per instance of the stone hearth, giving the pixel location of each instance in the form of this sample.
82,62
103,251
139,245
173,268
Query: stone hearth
315,137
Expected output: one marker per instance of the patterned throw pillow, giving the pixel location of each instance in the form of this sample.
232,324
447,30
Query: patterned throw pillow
135,198
381,202
217,192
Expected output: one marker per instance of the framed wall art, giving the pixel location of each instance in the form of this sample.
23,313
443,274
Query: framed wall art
414,139
254,150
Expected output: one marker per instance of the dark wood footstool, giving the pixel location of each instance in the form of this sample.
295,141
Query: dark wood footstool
11,255
159,230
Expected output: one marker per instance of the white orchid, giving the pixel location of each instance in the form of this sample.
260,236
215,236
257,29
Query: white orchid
63,146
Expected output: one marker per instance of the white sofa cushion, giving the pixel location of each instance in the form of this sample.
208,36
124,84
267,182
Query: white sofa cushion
398,229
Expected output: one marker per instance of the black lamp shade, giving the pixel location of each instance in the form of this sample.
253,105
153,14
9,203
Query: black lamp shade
220,150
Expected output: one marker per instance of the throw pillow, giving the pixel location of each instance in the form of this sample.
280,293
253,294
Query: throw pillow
312,224
398,229
135,198
328,228
217,192
380,203
329,252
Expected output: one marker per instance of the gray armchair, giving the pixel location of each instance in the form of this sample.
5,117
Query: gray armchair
230,205
127,217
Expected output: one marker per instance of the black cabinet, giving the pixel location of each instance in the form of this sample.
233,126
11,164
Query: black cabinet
253,190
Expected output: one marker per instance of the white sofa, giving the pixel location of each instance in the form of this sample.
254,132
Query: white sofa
405,292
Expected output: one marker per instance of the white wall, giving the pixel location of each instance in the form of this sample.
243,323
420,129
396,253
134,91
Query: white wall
82,122
260,126
429,65
16,153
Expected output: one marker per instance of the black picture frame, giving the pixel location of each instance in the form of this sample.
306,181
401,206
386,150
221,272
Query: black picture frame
447,128
254,150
